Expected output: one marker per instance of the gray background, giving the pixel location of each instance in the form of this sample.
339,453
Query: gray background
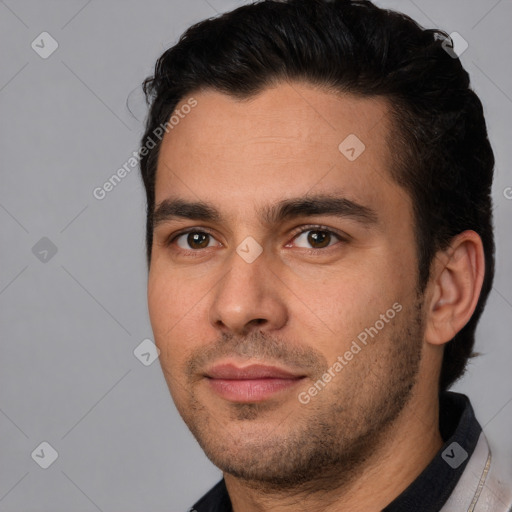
70,324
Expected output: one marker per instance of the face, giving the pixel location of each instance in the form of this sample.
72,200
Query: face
282,285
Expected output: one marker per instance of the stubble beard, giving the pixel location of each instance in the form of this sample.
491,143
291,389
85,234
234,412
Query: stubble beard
316,445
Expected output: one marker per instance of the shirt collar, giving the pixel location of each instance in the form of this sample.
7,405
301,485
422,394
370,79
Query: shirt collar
460,432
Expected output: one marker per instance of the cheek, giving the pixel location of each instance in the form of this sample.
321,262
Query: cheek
346,303
167,306
177,315
162,301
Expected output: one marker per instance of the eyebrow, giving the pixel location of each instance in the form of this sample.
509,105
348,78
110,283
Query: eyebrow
287,209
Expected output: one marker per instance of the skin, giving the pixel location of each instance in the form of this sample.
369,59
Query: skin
300,306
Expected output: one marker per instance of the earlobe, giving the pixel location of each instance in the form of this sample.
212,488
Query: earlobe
456,282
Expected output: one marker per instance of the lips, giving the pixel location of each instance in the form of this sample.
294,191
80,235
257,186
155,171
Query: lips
254,383
254,371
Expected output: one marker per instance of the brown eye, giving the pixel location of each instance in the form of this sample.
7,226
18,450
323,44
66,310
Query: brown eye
316,238
319,239
194,240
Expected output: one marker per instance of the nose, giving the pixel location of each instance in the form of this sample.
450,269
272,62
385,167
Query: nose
248,297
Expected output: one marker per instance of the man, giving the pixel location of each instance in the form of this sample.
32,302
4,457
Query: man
320,249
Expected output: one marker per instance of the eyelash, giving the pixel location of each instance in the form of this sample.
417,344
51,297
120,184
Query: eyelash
303,229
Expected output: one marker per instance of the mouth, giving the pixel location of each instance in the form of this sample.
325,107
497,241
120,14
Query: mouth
250,384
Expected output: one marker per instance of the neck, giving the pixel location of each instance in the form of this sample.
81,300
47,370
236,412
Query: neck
401,454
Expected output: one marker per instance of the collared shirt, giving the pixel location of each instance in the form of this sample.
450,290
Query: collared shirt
461,476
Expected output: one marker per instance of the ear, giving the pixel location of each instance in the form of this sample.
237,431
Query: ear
454,287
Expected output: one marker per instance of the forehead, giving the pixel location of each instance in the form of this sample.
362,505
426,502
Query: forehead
286,141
